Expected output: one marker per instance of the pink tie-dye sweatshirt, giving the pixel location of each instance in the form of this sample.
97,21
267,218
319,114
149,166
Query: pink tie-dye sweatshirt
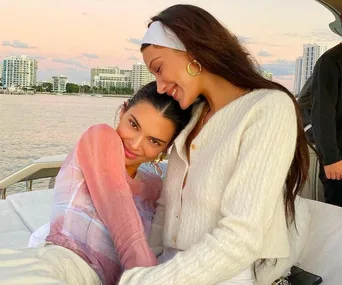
99,212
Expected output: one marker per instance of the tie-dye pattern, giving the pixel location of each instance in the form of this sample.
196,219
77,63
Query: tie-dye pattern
95,213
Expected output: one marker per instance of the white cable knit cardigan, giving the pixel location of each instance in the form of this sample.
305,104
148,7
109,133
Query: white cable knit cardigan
231,210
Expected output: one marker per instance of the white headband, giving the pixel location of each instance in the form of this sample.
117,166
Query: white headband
158,34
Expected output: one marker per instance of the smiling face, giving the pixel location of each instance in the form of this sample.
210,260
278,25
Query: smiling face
169,68
145,133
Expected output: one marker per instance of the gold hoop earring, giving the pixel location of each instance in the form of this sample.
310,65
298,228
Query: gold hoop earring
155,163
188,68
162,156
157,168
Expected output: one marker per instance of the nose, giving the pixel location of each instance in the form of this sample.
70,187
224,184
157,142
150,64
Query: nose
136,142
161,86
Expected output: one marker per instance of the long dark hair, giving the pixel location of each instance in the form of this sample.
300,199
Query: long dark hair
220,53
168,107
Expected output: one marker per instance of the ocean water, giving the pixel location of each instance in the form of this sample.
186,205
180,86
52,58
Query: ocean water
33,126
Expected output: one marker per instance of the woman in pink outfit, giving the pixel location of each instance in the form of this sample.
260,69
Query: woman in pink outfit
103,204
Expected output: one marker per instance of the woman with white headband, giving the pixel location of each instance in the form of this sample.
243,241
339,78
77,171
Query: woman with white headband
229,207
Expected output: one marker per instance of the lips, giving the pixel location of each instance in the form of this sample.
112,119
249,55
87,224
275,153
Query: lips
129,154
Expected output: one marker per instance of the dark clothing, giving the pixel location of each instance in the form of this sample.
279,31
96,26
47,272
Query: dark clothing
326,114
332,189
305,105
304,101
326,117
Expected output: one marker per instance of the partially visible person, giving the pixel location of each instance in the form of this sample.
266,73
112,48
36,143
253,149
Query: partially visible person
103,204
326,119
230,206
305,105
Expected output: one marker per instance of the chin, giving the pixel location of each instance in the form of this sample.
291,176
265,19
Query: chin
129,162
187,100
184,105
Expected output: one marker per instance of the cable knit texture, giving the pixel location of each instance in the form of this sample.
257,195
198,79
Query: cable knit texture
231,211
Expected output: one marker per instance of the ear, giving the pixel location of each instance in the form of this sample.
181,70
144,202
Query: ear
118,116
123,109
189,56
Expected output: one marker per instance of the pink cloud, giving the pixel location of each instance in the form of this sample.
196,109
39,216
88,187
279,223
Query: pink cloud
66,29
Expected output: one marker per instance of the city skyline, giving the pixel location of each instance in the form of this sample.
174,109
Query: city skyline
305,64
65,36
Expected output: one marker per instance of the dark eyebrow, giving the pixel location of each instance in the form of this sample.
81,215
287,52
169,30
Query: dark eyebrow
149,66
159,140
135,121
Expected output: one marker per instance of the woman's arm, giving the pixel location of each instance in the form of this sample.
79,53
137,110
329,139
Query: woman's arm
101,158
156,236
248,203
154,194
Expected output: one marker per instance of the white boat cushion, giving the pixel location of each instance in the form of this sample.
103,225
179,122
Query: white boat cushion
13,232
34,208
322,254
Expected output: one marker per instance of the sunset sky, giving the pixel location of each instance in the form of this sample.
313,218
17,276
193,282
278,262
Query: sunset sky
70,36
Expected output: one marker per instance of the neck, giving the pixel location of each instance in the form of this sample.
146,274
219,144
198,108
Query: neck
131,170
219,92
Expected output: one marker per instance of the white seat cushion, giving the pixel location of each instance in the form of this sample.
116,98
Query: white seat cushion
322,254
34,208
16,239
13,232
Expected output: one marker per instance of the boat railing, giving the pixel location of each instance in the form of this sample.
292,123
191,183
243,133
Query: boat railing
45,167
49,166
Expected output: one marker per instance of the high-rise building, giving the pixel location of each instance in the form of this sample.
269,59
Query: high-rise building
298,75
1,70
311,53
306,63
19,72
59,84
107,77
140,76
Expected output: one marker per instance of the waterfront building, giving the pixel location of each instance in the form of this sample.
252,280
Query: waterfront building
140,76
59,84
107,77
19,72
